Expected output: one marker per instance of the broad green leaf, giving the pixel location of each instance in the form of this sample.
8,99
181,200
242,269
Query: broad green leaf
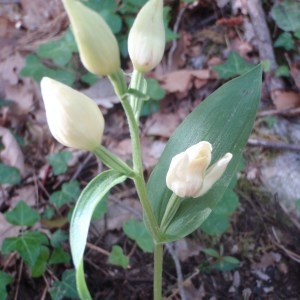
286,41
154,90
28,245
58,237
68,194
9,175
66,288
41,263
235,65
224,119
211,252
59,256
35,69
5,280
283,70
101,209
227,263
118,258
218,221
59,161
138,232
60,51
93,193
286,14
22,215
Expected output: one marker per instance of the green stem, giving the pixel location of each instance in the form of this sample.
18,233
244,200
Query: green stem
138,83
157,274
121,90
171,209
112,161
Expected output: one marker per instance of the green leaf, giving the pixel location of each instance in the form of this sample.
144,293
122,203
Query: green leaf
118,258
227,263
35,69
138,232
94,192
9,175
211,252
4,102
287,15
218,221
28,245
5,280
58,237
101,209
68,194
59,161
41,264
22,215
66,288
154,90
282,70
285,40
235,65
224,119
59,256
89,78
60,51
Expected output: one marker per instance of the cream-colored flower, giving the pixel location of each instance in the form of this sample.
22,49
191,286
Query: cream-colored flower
73,118
98,47
146,40
189,175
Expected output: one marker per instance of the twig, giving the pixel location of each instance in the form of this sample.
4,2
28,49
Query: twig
174,43
273,145
18,281
274,112
294,256
178,271
82,165
98,249
264,41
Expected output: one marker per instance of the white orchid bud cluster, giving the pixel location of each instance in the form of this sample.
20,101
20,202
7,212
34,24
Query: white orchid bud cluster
189,174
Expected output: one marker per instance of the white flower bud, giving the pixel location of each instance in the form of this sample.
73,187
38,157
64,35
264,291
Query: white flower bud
189,175
98,47
146,40
73,118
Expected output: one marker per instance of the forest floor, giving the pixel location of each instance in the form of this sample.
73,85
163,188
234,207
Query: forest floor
261,233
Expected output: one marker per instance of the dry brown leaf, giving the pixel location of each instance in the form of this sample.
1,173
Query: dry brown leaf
152,151
285,99
7,230
182,80
26,193
11,154
161,124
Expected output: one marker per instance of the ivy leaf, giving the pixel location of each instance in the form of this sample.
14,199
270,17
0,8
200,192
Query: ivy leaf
59,161
41,263
58,237
285,40
68,194
59,51
66,288
35,69
22,215
235,65
136,230
287,15
118,258
5,280
28,245
59,256
9,175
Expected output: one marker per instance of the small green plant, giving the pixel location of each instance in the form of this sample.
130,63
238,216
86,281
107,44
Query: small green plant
220,262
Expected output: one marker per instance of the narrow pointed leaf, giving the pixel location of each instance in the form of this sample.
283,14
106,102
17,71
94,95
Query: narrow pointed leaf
224,119
94,192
